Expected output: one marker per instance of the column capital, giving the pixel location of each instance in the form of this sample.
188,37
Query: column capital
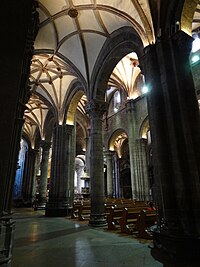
109,154
141,141
96,108
130,105
33,151
69,128
183,42
45,145
66,127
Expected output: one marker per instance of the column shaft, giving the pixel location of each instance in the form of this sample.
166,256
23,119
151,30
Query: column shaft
116,176
28,177
110,180
36,170
141,168
61,184
41,201
132,148
96,109
175,128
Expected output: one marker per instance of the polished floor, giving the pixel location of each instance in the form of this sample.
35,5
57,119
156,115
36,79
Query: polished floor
60,242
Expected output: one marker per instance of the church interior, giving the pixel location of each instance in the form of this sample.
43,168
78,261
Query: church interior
100,119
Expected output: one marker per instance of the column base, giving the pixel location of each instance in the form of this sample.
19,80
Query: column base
40,206
176,251
58,211
7,227
97,220
5,262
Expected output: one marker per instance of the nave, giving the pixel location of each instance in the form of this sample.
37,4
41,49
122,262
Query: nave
67,91
47,241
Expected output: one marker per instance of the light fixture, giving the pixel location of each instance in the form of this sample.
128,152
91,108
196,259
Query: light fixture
145,89
195,58
195,45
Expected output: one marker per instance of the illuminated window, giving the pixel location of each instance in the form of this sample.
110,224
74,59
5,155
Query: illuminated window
145,89
195,58
195,45
117,101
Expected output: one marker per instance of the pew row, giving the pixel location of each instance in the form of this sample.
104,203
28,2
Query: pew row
145,221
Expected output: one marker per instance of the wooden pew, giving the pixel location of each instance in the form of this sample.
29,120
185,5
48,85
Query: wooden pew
113,217
129,219
84,212
116,213
76,205
75,209
146,219
141,203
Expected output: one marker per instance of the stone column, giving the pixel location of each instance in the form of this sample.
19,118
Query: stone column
29,176
41,201
131,142
36,170
141,169
96,109
71,163
116,176
61,191
87,153
110,180
13,94
175,129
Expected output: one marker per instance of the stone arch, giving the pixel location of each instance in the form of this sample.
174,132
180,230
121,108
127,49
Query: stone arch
144,128
122,42
49,126
71,102
113,138
187,15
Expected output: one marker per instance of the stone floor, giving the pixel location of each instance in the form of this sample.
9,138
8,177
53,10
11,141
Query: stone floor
58,242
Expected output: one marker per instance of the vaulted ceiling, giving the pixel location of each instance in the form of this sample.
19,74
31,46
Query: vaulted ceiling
70,38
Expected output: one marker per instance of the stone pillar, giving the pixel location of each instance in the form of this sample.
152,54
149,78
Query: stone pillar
116,176
13,96
175,130
29,176
61,186
36,170
41,201
131,142
87,153
96,110
141,169
71,163
110,181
